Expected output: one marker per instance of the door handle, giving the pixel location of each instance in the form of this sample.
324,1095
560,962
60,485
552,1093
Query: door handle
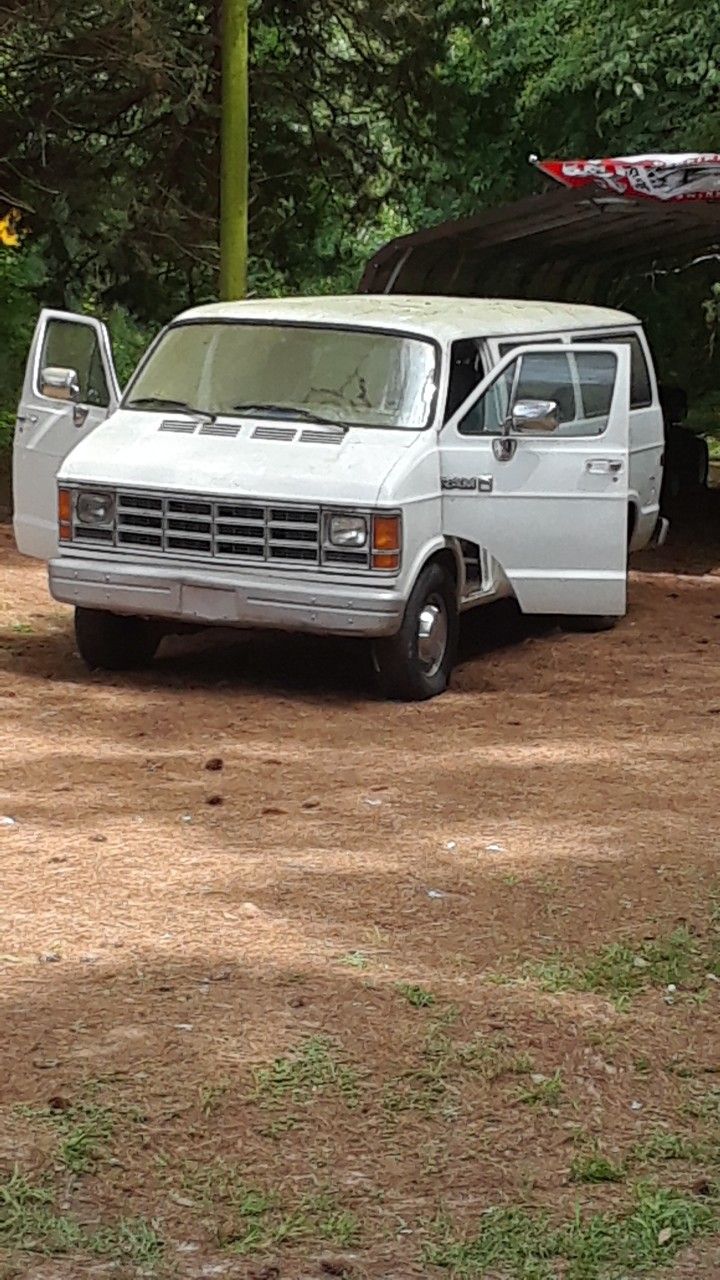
32,418
603,466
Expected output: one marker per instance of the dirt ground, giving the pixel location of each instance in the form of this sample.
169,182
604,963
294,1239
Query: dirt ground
317,1011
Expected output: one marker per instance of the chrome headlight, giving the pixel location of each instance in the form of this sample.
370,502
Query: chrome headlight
94,508
347,531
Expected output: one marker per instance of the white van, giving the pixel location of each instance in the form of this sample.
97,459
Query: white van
367,466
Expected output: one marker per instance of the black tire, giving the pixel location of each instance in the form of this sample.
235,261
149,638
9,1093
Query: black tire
111,642
403,673
589,622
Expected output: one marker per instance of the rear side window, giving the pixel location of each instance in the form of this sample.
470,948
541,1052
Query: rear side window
596,378
640,386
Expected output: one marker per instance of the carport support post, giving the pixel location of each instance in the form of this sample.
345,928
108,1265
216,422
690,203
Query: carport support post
235,150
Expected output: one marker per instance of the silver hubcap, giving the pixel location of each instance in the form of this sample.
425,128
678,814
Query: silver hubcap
432,635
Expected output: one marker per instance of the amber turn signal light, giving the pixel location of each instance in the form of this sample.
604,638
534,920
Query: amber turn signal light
387,542
65,515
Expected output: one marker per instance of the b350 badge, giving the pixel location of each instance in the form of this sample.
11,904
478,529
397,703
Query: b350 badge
471,484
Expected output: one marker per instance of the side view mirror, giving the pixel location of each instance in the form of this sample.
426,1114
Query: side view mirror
60,384
534,417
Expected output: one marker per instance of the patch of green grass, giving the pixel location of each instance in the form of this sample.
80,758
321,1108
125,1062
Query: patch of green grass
492,1061
261,1220
542,1092
313,1068
663,1145
621,970
422,1091
705,1106
211,1096
130,1240
355,960
418,997
280,1126
596,1168
642,1065
490,1058
519,1245
28,1222
84,1129
339,1227
224,1183
257,1219
433,1087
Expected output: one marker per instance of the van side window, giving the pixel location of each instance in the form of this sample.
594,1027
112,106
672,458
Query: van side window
596,379
580,383
540,377
75,346
640,385
466,371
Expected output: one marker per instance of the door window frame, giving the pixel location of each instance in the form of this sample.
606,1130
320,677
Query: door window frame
514,352
104,350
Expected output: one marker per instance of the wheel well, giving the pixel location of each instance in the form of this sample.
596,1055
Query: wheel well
447,558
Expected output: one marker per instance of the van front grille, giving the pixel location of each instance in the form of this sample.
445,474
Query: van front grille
218,529
221,530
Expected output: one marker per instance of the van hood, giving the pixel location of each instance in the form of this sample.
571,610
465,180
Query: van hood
259,457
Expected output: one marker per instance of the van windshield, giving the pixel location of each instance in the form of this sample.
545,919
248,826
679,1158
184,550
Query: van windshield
348,377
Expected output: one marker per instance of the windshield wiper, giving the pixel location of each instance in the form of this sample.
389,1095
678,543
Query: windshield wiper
287,411
160,402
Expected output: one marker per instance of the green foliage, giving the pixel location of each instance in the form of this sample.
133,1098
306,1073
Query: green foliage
368,120
22,275
524,1246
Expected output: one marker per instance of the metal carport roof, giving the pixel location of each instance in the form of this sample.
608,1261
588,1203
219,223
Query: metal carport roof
563,244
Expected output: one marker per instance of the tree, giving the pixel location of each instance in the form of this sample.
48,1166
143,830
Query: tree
369,117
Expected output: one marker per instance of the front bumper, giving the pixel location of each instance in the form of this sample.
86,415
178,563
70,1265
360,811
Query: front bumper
244,599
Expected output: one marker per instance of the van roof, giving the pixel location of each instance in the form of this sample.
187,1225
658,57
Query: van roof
436,317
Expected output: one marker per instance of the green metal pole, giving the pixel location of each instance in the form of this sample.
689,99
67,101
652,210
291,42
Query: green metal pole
235,152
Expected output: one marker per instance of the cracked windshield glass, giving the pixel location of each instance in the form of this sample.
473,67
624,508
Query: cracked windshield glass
305,373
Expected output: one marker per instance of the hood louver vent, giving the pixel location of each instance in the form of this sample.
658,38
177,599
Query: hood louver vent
226,430
322,437
184,427
274,433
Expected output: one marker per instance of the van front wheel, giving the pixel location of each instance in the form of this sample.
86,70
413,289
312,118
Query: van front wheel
416,663
590,622
112,642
